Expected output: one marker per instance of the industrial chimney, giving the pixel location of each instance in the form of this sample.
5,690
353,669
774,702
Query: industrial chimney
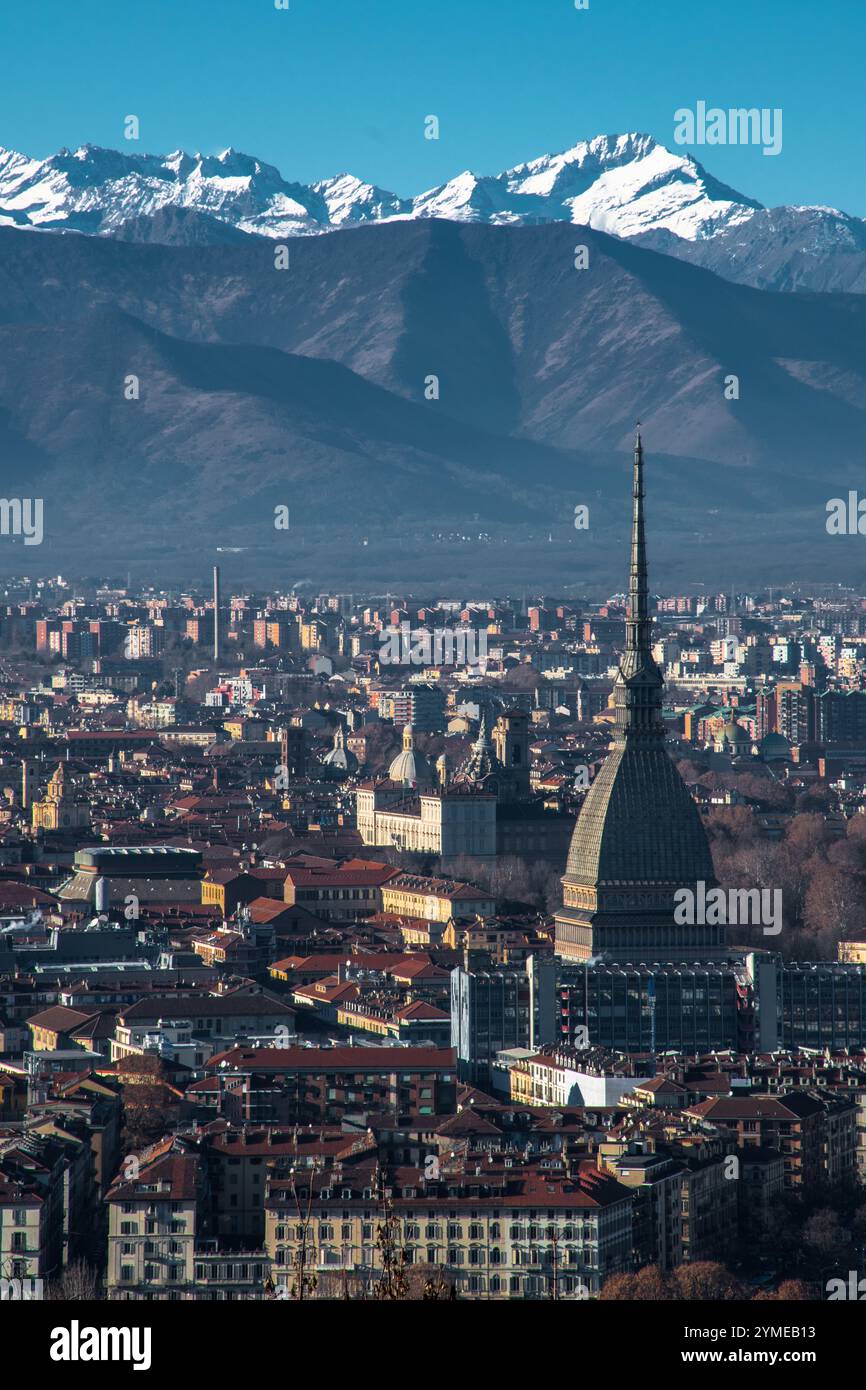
216,614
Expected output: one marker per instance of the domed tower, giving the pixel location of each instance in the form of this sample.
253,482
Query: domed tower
58,810
639,837
410,768
733,738
340,761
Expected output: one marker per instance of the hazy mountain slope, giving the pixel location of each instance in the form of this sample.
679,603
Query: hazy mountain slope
780,249
521,341
222,434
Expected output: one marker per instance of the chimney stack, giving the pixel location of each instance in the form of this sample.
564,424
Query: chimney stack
216,614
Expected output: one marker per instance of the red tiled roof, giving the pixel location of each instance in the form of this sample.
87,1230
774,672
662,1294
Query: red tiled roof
58,1019
178,1171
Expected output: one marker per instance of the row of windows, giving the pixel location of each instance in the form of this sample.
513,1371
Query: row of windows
455,1256
151,1226
334,894
174,1273
128,1247
229,1271
433,1231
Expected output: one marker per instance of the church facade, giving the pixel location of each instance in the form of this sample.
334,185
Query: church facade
58,809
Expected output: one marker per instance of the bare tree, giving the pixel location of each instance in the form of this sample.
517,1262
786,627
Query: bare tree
78,1283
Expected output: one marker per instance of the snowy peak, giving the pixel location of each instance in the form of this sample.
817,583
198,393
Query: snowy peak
628,185
95,190
349,199
624,184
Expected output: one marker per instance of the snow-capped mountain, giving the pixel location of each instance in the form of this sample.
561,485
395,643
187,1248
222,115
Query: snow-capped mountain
622,184
95,190
805,248
350,200
625,184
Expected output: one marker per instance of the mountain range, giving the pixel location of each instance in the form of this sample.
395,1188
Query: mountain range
629,186
309,387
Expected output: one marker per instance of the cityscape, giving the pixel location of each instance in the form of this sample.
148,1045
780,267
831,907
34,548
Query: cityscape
432,676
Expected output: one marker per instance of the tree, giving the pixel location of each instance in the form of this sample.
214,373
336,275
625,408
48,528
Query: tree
393,1283
704,1281
303,1283
78,1282
707,1281
145,1094
835,908
789,1291
648,1285
825,1239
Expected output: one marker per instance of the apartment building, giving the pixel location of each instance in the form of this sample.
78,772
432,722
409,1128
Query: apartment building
435,899
202,1022
340,894
317,1085
152,1226
34,1202
816,1135
497,1229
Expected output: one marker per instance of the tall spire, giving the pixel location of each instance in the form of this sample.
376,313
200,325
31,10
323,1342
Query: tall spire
638,688
637,617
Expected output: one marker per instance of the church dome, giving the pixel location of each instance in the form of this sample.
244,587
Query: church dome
733,737
410,767
774,746
340,761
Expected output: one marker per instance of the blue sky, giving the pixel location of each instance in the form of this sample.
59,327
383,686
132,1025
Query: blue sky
334,85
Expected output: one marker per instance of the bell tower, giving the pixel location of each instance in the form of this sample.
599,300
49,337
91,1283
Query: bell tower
511,742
